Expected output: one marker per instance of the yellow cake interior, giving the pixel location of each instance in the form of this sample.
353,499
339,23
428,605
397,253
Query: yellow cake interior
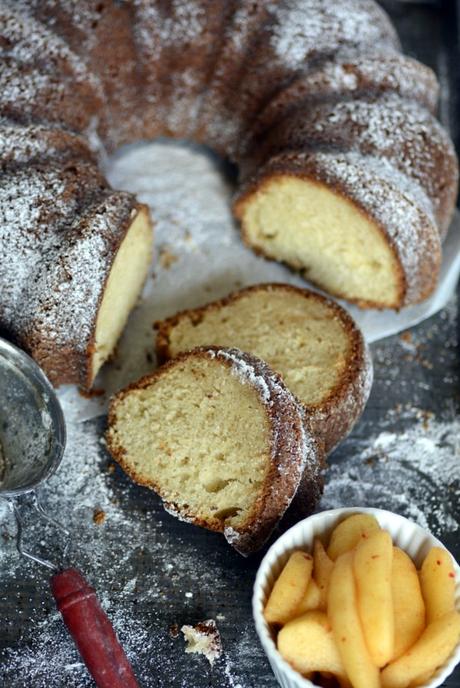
323,234
299,337
125,281
200,437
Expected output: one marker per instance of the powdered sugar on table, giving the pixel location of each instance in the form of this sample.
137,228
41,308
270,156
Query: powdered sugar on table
141,559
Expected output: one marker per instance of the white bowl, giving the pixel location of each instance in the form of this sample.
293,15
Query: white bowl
406,535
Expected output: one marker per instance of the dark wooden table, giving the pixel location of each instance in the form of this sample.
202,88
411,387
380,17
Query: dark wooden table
157,573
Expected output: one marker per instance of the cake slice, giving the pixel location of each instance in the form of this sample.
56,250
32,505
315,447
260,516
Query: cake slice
310,340
123,287
218,436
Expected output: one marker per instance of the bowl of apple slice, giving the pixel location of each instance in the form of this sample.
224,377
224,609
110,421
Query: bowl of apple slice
358,598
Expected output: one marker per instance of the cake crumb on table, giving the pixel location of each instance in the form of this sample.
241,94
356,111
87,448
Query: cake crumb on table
203,638
167,258
98,516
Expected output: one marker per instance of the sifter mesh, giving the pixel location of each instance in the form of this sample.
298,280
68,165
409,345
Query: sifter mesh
32,434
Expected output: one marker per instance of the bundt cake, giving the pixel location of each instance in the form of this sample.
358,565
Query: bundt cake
220,438
310,340
345,173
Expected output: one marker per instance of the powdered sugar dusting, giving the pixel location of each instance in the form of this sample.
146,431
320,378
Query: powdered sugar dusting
29,41
378,74
174,511
415,472
159,29
53,279
246,373
303,30
385,128
35,143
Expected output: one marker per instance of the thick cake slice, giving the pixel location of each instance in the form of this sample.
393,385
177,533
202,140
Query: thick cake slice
219,437
310,340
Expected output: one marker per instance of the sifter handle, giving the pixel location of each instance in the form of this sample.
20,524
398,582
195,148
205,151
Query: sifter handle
91,631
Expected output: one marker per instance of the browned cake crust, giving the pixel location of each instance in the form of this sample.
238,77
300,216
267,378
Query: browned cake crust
332,419
356,77
34,144
179,63
267,45
293,451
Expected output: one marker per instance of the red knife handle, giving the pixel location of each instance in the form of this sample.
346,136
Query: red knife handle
92,631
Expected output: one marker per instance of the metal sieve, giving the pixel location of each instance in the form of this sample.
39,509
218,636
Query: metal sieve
32,441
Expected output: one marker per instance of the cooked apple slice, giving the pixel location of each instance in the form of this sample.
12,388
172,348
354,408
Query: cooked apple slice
437,578
308,644
408,604
322,568
342,610
372,565
349,532
289,589
429,652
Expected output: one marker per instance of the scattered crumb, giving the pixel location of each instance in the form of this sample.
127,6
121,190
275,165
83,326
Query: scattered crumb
98,516
406,337
167,258
204,639
91,393
189,594
174,631
111,468
425,417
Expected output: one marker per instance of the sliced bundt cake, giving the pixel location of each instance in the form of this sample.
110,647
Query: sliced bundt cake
345,174
310,340
219,437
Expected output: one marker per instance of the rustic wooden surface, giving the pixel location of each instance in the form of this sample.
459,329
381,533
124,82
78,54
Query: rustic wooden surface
428,377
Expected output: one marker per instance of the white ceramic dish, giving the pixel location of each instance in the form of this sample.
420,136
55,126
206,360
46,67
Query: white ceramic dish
407,535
